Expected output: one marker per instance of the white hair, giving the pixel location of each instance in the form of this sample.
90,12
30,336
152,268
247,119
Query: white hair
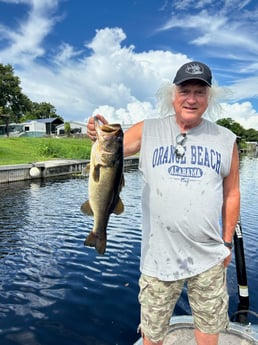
166,93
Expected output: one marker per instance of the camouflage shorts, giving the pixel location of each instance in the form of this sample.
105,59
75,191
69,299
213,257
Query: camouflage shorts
208,298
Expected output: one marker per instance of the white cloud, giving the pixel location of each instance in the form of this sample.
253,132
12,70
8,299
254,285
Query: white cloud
225,29
25,40
116,82
112,75
216,29
134,112
243,113
105,76
245,88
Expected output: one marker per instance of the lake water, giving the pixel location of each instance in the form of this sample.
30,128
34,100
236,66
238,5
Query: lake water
55,290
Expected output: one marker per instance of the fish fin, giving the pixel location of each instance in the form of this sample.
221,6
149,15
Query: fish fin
94,241
119,207
96,173
87,168
122,181
121,184
86,209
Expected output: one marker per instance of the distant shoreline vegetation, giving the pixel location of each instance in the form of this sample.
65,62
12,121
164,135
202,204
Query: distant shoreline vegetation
247,139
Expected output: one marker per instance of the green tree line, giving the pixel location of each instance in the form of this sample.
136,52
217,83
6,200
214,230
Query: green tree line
243,134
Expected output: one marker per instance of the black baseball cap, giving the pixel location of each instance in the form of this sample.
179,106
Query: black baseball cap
193,70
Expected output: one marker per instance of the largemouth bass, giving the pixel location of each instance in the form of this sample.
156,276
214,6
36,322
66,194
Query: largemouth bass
106,180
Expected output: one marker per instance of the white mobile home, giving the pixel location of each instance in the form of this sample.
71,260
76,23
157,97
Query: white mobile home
34,126
40,127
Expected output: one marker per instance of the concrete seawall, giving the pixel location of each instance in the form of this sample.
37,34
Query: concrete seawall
47,169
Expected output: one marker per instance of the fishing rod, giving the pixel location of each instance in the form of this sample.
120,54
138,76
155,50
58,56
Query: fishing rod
243,294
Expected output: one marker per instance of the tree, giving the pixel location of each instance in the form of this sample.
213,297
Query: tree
40,111
5,119
226,122
12,100
67,128
235,127
251,135
16,104
238,129
244,135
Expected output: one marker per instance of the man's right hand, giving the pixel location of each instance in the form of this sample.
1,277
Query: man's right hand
91,132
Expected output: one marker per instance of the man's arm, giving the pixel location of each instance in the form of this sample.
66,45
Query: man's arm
132,139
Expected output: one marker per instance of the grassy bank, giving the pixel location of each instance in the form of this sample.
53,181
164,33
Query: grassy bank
29,150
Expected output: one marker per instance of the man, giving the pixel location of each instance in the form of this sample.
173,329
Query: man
190,168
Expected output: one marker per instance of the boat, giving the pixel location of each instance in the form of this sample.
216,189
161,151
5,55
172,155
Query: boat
181,332
240,330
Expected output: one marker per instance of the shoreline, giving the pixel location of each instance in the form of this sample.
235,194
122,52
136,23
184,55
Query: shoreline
51,168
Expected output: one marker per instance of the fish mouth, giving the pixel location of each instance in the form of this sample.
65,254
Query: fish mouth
113,128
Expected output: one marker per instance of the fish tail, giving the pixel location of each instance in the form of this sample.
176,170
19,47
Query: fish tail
95,241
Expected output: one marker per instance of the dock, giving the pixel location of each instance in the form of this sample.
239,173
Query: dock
51,168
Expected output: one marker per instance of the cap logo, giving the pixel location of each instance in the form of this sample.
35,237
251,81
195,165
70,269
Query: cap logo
194,69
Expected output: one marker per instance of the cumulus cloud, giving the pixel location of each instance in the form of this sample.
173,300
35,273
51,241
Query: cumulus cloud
134,112
112,76
243,113
106,76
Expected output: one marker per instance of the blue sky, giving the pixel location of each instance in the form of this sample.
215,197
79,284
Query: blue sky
111,56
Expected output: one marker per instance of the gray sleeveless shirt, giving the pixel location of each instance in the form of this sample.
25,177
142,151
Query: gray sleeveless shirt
182,198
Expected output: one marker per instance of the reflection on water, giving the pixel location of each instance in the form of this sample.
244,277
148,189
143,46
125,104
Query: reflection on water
55,290
249,221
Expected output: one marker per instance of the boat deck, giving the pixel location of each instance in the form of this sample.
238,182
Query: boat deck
181,332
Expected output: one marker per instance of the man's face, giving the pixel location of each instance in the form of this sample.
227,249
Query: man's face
190,102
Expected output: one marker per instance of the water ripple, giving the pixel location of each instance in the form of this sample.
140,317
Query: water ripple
53,289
